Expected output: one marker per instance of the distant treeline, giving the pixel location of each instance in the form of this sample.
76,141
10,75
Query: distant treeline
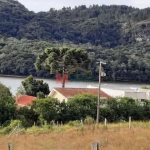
107,26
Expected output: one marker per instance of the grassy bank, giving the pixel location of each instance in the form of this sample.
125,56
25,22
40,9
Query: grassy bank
80,137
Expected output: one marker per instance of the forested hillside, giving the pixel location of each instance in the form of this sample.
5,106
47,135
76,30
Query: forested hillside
120,35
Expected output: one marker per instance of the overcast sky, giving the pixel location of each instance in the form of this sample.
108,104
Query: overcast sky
45,5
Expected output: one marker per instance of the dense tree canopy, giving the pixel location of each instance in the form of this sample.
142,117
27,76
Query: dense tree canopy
4,91
48,109
33,87
63,60
98,25
81,106
7,109
117,34
84,105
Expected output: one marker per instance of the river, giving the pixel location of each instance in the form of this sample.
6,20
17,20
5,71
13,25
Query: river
14,82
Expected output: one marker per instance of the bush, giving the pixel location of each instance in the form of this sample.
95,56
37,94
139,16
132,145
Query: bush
9,128
89,120
75,123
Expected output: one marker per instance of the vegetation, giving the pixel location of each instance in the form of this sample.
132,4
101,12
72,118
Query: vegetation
62,61
35,87
82,106
74,118
4,91
117,34
78,108
7,105
115,137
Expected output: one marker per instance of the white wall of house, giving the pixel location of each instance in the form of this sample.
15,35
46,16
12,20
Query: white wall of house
148,95
135,94
114,93
57,95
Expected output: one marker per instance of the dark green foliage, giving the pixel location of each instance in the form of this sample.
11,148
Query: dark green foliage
120,109
7,109
82,106
117,34
7,106
63,60
98,25
4,91
33,87
40,95
48,109
27,116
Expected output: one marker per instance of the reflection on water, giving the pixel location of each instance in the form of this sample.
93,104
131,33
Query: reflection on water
14,83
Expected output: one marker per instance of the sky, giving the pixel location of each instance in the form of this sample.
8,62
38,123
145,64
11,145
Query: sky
45,5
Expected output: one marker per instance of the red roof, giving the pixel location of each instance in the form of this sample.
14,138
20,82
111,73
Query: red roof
25,100
71,92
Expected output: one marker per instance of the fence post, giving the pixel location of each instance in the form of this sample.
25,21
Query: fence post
129,122
95,146
57,126
105,123
10,146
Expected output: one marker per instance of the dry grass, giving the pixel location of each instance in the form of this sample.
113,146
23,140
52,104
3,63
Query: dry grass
115,137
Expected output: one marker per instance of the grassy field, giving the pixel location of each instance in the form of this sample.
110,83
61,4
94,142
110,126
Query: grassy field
114,137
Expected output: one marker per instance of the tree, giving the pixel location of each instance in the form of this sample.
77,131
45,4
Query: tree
27,116
33,86
21,90
63,60
47,108
7,105
81,106
8,109
4,91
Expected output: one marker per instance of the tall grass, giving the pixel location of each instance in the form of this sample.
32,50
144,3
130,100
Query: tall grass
79,137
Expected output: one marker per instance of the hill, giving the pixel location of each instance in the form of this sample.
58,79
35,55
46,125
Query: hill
118,34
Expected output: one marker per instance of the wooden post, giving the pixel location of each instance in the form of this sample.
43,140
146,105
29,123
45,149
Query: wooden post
95,146
57,126
129,122
105,123
10,146
81,122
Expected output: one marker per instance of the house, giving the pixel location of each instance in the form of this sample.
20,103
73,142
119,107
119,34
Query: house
132,92
135,93
67,93
24,100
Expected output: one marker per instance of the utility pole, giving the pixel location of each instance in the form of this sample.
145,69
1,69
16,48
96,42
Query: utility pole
99,88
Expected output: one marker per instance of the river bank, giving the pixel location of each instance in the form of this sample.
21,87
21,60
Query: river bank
14,82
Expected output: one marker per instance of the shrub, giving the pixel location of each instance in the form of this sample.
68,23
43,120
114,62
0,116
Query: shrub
9,128
75,123
89,120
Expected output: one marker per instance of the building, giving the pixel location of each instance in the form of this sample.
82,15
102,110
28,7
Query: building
24,100
67,93
135,93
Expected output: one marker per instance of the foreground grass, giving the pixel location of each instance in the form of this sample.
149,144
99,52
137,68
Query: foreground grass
114,137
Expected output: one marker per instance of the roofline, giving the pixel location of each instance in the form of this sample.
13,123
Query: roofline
54,89
57,92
